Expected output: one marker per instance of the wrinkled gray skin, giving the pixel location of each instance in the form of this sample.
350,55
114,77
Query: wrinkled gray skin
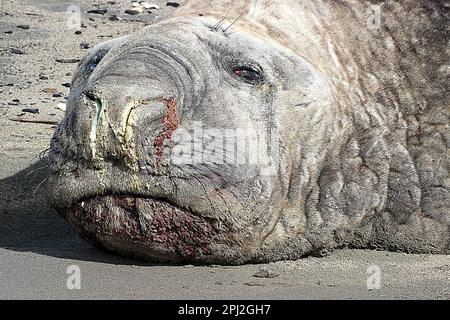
360,118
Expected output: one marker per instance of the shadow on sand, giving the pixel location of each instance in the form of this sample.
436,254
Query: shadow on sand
27,224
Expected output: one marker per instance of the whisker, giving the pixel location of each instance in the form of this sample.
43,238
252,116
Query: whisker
37,169
234,21
219,24
232,32
43,153
204,191
40,184
175,187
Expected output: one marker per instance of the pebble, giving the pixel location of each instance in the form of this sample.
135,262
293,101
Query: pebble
134,11
43,77
66,84
115,18
173,4
17,51
50,90
265,274
147,5
61,106
57,95
139,7
8,32
23,26
78,32
253,284
31,110
85,45
68,60
98,11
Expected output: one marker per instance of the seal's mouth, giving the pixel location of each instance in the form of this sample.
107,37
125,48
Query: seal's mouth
145,227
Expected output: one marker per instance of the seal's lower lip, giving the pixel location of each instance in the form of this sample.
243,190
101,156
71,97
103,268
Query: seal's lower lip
124,223
130,212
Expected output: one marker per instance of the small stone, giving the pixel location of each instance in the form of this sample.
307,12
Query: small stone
78,32
8,32
57,95
23,26
253,284
17,51
173,4
265,274
61,106
85,45
43,77
134,11
98,11
50,90
68,60
66,84
147,5
16,100
31,110
115,18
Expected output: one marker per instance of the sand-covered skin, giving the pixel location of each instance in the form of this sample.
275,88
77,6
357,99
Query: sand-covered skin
37,246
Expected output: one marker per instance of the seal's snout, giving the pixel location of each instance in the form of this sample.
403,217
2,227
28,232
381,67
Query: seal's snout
133,102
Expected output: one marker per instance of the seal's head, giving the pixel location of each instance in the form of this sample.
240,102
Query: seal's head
177,142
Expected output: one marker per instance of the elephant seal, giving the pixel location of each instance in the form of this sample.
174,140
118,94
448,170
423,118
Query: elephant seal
256,131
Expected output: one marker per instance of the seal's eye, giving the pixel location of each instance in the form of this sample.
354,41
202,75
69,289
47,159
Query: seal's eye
95,60
248,74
